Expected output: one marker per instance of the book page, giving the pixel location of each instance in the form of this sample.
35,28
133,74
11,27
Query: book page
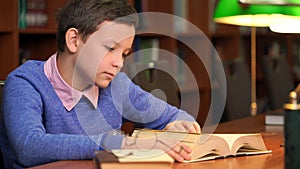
210,147
244,143
231,138
249,145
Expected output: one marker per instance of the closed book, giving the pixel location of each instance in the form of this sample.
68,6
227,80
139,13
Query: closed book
132,159
275,118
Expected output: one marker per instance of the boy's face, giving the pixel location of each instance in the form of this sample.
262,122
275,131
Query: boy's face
101,57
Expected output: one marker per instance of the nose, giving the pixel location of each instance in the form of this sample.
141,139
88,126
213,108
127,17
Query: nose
118,60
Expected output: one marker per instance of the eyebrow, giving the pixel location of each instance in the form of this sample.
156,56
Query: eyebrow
118,44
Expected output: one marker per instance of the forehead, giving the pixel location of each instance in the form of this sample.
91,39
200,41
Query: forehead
110,30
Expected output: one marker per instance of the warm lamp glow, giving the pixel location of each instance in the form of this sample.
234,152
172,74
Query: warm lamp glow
235,13
289,22
261,20
289,25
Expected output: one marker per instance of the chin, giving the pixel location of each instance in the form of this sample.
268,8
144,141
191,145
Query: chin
103,84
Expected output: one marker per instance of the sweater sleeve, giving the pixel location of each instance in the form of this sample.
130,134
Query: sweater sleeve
144,108
30,142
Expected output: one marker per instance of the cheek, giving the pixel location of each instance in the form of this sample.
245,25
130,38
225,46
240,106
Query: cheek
92,58
103,64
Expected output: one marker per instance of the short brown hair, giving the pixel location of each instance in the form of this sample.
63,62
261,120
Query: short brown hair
86,15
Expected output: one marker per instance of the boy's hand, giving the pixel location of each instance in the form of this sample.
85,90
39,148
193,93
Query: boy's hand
176,149
184,126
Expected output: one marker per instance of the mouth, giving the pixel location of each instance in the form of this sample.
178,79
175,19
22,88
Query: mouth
109,75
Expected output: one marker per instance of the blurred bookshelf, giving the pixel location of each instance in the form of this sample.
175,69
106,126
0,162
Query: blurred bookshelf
39,42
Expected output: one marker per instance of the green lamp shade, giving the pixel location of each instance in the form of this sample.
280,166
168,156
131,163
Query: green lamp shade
290,23
272,2
258,15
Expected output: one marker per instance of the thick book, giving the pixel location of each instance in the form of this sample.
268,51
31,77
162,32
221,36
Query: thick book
22,14
36,13
213,146
132,159
274,118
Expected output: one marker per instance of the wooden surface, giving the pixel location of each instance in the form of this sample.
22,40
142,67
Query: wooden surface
273,137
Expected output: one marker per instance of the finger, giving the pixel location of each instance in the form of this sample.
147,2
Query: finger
175,126
180,127
173,152
193,127
181,152
184,126
185,155
189,126
197,127
169,126
175,155
185,148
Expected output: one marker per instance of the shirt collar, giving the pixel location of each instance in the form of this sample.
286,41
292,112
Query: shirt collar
69,96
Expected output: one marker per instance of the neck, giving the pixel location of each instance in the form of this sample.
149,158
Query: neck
66,67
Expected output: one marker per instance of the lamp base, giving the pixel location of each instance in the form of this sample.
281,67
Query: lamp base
292,138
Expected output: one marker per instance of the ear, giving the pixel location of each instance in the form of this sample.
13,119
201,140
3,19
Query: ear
72,40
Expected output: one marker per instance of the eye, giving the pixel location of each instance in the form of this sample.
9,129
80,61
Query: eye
109,48
127,52
125,55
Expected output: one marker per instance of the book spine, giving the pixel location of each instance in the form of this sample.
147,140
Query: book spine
180,10
22,14
36,15
149,50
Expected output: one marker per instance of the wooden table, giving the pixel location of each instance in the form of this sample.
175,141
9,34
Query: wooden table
273,137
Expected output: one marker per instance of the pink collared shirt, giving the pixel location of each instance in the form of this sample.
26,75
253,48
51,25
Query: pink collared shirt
69,96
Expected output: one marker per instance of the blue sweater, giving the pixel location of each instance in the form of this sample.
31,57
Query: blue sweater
36,128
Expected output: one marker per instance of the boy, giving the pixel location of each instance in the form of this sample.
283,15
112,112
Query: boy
68,107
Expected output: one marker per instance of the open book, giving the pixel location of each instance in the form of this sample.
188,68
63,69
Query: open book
132,159
213,146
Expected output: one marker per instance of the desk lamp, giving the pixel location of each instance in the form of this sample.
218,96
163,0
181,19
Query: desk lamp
284,19
291,24
236,12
